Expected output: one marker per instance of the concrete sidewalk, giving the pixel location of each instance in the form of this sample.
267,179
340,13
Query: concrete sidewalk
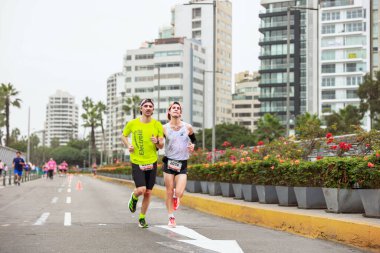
349,229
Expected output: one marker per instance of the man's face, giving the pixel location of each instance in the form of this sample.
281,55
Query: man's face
175,111
18,154
147,109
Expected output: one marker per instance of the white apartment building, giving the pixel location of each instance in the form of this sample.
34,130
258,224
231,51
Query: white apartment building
115,116
195,20
245,100
61,118
169,70
344,53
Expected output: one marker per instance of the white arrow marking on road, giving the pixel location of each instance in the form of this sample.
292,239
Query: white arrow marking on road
54,200
67,221
5,225
42,219
228,246
69,190
68,200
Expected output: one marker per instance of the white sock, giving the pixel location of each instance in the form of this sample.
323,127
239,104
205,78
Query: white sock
171,215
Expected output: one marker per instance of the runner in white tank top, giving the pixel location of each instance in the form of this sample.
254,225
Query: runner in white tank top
179,143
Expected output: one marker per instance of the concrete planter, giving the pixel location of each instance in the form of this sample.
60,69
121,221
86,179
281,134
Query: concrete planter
204,187
267,194
160,180
371,202
286,196
249,192
214,188
238,191
227,190
343,200
193,186
310,197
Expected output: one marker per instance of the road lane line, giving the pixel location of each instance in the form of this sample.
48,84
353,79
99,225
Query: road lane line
69,190
54,200
67,221
42,219
68,200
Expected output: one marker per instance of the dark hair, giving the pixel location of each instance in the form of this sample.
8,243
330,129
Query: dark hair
170,106
146,100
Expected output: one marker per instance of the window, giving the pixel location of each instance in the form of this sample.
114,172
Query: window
328,81
351,67
197,24
243,106
328,68
197,13
144,56
328,55
354,27
328,94
351,94
129,57
330,16
326,108
358,13
354,80
197,34
328,29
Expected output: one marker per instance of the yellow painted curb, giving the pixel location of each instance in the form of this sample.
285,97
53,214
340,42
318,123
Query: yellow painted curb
347,232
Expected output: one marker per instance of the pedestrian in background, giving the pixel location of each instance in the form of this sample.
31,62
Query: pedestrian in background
1,167
51,166
18,165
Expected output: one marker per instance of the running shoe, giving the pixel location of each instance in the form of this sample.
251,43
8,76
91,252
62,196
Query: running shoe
171,222
142,223
175,203
132,204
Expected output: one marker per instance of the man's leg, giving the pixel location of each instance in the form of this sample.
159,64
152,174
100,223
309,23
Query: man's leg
146,201
169,184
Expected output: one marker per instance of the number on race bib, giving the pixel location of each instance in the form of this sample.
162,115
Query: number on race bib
175,165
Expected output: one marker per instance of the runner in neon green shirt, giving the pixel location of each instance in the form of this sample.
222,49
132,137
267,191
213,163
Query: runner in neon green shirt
147,138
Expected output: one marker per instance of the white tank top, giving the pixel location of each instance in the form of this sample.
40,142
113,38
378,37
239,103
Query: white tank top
176,143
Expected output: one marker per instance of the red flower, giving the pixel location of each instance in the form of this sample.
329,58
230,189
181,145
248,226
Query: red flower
330,140
334,147
226,144
329,135
260,143
241,146
370,165
377,155
319,157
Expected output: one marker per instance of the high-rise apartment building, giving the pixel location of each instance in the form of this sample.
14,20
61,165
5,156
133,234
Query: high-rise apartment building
303,58
61,118
195,20
245,100
345,54
168,70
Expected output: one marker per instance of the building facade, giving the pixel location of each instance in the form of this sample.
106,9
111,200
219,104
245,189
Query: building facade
195,20
61,118
345,54
303,63
245,100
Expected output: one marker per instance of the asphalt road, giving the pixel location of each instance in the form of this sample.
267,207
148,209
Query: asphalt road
83,214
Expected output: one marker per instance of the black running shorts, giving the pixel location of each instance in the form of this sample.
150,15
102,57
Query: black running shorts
144,175
183,170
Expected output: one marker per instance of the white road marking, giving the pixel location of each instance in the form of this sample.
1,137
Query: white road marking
222,246
67,221
5,225
54,200
42,219
68,200
69,190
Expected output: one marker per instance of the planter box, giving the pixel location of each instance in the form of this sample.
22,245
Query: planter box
249,192
371,202
214,188
227,190
310,197
343,200
238,191
267,194
160,180
193,186
128,177
204,187
286,196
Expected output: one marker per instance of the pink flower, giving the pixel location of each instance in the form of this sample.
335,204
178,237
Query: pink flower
272,167
370,165
226,144
241,146
248,158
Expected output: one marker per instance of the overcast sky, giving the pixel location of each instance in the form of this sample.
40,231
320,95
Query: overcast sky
75,45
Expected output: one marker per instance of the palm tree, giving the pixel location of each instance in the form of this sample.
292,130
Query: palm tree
269,128
132,104
91,120
8,94
344,122
101,110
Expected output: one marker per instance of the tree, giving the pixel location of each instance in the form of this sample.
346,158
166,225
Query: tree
91,118
308,128
269,128
344,122
132,104
234,134
101,110
369,94
54,143
69,154
8,94
78,144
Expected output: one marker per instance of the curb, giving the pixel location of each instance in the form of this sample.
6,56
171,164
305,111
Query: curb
348,232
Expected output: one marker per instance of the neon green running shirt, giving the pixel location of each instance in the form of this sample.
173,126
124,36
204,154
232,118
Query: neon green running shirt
145,151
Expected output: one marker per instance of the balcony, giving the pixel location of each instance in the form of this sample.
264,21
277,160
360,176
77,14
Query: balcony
337,3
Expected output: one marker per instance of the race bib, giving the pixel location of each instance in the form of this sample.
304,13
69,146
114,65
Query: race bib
146,167
175,165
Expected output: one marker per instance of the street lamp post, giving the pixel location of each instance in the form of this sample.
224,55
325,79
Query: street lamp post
288,62
158,91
